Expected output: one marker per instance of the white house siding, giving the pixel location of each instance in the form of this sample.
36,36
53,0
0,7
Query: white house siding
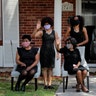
10,31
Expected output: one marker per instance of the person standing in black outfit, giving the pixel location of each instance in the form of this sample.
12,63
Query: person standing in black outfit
27,59
44,29
77,30
72,61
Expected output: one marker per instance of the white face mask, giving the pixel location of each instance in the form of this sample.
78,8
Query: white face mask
47,26
68,46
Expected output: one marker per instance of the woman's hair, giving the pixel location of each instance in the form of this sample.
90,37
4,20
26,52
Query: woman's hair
26,37
47,20
72,41
81,20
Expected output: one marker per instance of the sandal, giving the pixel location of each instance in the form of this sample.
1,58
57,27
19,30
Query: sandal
84,89
78,88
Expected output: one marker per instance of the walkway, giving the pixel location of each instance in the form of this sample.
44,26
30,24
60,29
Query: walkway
71,91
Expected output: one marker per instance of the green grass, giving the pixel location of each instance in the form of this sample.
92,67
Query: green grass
5,90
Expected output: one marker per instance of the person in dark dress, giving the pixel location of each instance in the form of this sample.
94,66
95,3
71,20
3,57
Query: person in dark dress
47,52
27,58
72,61
77,30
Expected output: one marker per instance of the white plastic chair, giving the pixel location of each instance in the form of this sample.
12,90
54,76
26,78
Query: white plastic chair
65,74
15,74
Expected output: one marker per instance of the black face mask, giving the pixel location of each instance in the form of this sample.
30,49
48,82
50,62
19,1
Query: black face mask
75,22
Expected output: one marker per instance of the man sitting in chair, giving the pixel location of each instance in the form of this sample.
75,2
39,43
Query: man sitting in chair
27,59
72,60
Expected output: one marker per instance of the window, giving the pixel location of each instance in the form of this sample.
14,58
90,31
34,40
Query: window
89,14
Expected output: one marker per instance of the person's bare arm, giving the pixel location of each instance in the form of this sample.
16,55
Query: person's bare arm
76,65
58,47
57,43
56,38
85,36
38,30
67,33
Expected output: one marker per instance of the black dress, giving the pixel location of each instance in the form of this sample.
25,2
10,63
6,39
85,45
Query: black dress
47,52
27,57
79,36
70,58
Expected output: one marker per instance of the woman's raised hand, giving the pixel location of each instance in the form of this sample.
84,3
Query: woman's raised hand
38,26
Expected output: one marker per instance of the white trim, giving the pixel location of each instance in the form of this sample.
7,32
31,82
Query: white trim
1,61
57,27
58,16
78,7
10,16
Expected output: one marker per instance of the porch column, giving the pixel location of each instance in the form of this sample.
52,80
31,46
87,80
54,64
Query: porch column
57,27
78,7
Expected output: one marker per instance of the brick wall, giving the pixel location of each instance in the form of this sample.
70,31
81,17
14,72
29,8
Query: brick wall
65,16
32,10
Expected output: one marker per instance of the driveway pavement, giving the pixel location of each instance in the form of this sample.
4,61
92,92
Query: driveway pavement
72,91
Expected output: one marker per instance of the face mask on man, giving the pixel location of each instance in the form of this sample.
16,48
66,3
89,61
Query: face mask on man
47,26
68,46
25,44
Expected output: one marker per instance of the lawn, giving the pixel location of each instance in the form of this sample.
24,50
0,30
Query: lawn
5,90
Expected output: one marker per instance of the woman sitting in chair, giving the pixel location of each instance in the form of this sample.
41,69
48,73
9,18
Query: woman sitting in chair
27,59
72,61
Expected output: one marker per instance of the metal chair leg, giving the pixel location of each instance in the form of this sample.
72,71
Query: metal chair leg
63,84
88,82
12,82
36,87
66,82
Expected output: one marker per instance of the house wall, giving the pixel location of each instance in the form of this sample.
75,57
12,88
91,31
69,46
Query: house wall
10,32
65,15
20,17
30,11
